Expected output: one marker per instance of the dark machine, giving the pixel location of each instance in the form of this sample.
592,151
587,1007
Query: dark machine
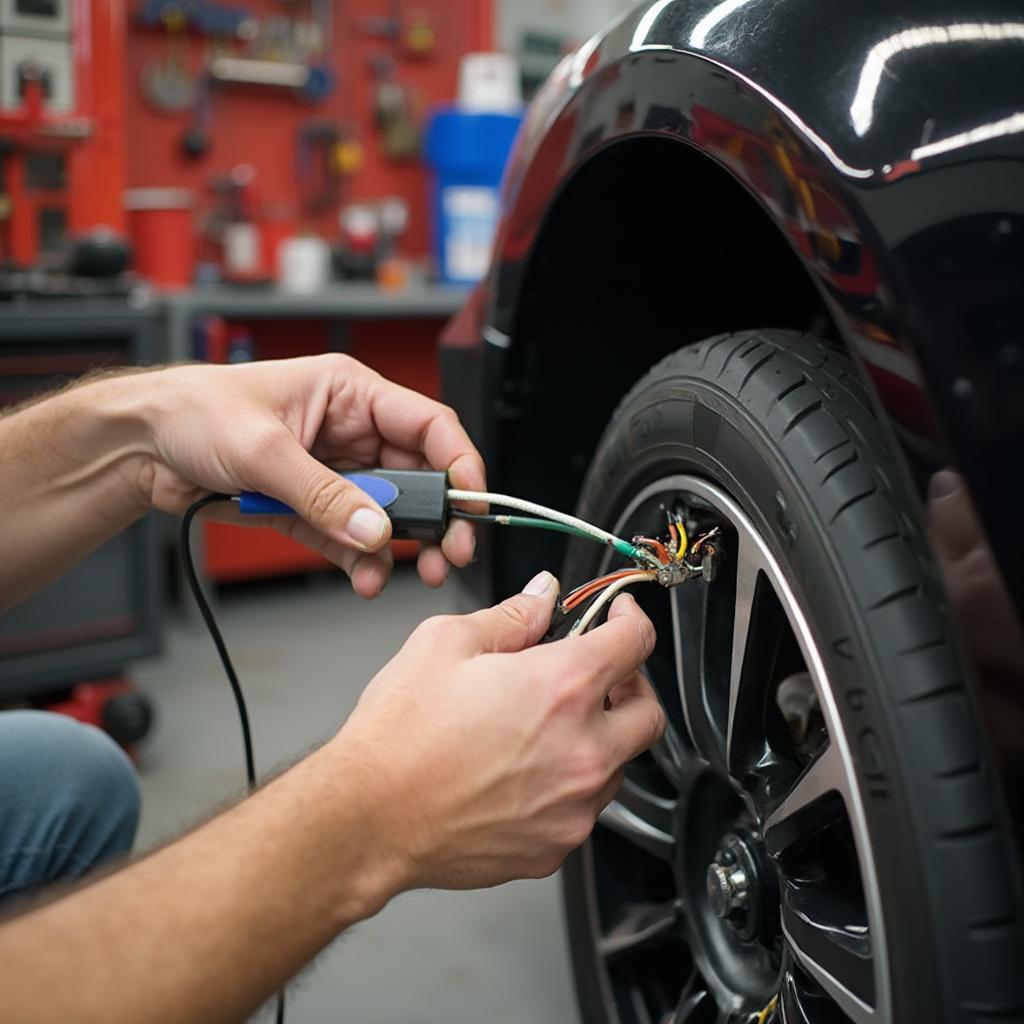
67,647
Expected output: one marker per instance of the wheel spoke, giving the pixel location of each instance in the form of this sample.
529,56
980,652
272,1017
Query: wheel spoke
689,637
759,625
797,1005
643,819
828,936
837,957
805,809
670,756
790,1005
641,926
690,1002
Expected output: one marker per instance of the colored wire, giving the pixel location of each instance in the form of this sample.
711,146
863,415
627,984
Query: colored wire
591,586
762,1016
684,541
581,593
702,538
203,605
507,501
529,521
588,617
659,548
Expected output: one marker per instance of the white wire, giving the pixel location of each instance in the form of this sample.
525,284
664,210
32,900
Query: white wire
522,505
585,622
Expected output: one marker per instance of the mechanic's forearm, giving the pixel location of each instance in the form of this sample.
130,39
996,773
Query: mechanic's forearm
69,470
211,926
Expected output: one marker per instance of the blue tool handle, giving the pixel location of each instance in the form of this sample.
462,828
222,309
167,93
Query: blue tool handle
415,500
252,503
382,490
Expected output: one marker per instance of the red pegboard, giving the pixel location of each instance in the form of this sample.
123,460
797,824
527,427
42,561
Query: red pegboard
259,127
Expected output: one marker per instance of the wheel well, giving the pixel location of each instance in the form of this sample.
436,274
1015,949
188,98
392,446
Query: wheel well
651,245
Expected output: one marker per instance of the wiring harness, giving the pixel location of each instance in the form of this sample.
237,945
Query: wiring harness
667,561
419,504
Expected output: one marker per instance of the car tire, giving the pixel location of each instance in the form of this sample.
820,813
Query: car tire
779,426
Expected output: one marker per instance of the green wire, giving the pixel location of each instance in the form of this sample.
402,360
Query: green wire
621,546
542,524
535,523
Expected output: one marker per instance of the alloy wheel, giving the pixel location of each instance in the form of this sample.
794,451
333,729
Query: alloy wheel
732,878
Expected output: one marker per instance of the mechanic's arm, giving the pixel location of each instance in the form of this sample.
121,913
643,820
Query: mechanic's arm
77,468
472,758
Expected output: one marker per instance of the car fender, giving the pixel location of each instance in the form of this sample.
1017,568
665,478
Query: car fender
886,144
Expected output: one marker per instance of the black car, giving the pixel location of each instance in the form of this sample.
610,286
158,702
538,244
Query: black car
761,272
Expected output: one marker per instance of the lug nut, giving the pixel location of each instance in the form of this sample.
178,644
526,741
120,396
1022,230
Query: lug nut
726,888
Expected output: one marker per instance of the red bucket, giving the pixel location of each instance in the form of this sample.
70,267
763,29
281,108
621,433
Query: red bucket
160,225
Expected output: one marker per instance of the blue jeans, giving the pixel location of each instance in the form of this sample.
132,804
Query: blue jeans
69,800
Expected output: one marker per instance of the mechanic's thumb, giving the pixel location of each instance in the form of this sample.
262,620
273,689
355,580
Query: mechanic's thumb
520,621
328,502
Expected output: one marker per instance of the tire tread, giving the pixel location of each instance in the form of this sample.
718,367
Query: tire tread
928,698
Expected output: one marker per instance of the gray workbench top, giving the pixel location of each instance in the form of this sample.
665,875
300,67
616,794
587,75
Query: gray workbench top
336,300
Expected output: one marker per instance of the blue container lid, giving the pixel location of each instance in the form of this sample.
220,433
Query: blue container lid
460,142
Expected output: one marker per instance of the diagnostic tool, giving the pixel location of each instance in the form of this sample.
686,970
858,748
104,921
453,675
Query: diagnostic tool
414,500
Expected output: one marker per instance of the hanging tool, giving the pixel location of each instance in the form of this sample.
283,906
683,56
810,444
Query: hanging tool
168,84
326,154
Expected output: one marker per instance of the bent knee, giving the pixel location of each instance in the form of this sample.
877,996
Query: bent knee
83,777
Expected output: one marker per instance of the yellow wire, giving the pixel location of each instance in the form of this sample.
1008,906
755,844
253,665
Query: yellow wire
684,541
763,1015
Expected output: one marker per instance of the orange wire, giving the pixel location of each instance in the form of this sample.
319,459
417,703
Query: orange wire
696,545
581,593
660,550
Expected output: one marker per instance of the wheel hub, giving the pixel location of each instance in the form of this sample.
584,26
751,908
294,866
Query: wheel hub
739,885
727,889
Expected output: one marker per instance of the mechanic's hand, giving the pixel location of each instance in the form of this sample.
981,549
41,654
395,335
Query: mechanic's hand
275,426
491,758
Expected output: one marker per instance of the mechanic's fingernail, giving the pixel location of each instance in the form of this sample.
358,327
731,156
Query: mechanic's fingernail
540,584
943,484
367,527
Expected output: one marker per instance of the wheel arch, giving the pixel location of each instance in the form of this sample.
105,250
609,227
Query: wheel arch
688,253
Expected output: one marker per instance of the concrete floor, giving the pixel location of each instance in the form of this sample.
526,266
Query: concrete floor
303,651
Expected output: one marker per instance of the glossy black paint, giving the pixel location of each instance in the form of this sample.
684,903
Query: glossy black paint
909,218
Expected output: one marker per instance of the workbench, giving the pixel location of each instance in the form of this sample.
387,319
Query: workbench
337,304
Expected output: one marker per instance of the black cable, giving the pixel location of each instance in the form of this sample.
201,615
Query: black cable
225,658
473,517
211,625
